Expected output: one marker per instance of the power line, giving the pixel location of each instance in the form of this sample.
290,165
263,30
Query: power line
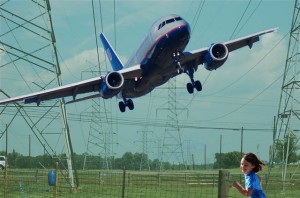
240,19
261,92
197,15
138,121
95,32
249,17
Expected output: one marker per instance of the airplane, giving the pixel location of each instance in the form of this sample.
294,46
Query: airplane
159,58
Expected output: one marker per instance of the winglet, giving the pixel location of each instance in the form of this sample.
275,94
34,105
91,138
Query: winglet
111,54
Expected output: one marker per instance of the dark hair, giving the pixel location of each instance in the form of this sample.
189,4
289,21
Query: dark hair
253,159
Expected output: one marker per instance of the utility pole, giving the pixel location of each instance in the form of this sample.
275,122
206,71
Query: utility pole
242,141
204,156
6,140
29,147
221,160
193,161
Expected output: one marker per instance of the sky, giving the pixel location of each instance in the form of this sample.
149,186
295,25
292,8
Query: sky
243,93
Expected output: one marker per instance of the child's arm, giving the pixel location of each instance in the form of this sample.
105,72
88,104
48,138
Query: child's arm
246,192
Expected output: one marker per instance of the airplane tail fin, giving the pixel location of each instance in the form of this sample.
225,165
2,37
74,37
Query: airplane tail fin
111,54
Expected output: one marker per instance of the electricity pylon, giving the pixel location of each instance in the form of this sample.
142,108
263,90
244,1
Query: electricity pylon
100,140
144,163
30,54
172,144
288,118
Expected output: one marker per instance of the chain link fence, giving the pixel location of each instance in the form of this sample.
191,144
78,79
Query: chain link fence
135,184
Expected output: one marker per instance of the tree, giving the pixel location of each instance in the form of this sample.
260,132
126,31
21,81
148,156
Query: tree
127,161
227,160
281,149
12,158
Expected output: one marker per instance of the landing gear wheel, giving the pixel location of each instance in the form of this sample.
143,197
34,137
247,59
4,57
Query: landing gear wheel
198,85
126,103
130,104
122,106
190,88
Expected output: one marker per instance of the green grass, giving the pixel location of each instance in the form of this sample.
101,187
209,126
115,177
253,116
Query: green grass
185,184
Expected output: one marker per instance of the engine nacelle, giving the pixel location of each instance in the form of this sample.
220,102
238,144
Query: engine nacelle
111,85
216,56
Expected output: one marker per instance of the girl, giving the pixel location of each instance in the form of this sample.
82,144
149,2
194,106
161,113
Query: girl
250,165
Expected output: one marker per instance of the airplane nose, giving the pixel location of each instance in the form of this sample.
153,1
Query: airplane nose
187,25
185,29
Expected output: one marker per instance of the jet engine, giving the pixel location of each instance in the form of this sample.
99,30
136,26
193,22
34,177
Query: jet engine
216,56
111,85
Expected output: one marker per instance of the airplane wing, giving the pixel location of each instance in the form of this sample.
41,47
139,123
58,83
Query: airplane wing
198,57
85,86
82,87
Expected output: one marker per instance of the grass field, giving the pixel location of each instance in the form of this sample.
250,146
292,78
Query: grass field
101,183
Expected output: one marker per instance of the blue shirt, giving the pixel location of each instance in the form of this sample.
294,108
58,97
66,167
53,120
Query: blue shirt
252,181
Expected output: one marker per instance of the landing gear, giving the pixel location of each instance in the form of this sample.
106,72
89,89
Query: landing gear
190,72
126,103
190,86
193,84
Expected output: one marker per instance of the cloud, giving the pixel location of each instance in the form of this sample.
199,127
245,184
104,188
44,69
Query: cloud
248,70
82,65
72,68
247,83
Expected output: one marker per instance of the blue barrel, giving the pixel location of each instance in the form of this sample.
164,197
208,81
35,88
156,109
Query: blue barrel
51,178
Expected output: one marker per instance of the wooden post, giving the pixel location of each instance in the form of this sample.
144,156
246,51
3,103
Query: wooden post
223,184
6,140
36,176
158,179
56,179
99,177
123,185
5,177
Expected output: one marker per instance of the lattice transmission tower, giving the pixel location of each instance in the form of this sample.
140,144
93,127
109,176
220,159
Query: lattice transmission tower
28,63
145,142
100,140
172,149
287,123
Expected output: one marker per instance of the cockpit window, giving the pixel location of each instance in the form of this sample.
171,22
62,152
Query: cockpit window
169,21
161,25
178,19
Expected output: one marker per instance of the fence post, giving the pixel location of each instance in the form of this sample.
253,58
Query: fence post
5,177
123,185
99,177
56,177
223,184
36,176
128,179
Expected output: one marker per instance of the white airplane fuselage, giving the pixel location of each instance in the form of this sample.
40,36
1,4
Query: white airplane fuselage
168,35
